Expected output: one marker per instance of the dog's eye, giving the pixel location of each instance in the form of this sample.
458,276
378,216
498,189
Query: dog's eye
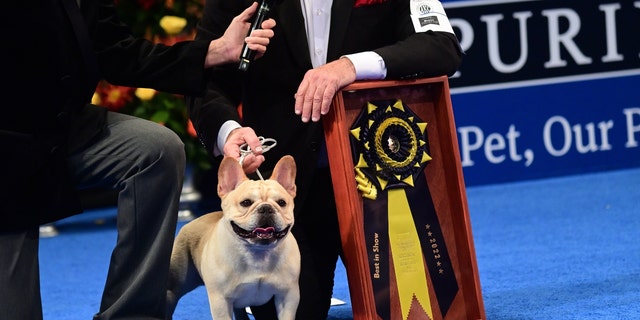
246,203
281,203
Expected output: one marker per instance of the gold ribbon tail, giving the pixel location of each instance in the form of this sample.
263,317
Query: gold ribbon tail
407,254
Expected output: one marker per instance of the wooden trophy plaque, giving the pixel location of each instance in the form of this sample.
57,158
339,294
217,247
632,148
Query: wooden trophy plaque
401,200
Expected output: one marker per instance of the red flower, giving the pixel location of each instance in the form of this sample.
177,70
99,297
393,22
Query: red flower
191,130
362,3
146,4
114,97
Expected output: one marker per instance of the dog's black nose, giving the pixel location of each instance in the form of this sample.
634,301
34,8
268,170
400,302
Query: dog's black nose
266,209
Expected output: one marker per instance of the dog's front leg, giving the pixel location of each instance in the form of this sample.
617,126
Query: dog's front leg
221,308
287,304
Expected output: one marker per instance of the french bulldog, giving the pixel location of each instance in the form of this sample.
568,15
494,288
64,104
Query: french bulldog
245,254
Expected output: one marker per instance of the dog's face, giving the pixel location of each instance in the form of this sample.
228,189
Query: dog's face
258,212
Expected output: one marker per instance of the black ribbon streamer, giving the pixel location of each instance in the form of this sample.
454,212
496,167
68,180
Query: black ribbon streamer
433,245
376,230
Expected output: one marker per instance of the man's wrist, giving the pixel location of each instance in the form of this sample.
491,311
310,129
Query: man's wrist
223,134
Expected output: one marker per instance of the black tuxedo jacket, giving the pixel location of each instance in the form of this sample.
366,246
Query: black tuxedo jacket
271,81
53,57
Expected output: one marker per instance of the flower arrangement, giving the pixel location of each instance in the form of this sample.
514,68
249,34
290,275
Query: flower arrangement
161,21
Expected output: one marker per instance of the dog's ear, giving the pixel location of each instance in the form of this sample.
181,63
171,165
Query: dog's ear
230,175
285,174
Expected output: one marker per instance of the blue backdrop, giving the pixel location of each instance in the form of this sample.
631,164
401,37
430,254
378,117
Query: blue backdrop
546,88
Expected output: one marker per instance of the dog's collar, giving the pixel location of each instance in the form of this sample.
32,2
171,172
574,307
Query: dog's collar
259,233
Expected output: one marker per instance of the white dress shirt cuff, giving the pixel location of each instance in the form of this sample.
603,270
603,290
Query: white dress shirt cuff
369,65
223,133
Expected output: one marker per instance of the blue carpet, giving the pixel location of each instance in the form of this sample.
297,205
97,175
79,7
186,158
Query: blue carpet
558,248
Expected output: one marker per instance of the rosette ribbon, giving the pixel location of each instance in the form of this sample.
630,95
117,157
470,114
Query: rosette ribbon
390,150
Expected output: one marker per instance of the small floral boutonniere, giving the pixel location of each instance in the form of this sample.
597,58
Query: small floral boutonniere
362,3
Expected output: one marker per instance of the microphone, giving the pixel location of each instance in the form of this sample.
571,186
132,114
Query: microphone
247,54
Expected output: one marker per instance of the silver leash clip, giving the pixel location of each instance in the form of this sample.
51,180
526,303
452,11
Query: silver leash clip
266,143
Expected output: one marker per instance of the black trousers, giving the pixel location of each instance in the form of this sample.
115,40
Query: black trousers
145,162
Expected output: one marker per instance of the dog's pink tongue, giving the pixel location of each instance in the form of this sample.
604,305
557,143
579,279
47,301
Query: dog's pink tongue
264,233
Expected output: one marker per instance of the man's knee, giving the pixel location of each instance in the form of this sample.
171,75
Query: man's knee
174,147
168,147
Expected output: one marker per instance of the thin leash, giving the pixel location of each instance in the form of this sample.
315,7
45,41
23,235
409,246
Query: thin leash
266,143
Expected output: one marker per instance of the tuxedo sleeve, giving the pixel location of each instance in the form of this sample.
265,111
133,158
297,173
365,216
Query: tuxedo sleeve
212,109
222,95
129,61
419,53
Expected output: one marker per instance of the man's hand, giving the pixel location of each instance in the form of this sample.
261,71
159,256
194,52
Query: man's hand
237,138
318,87
227,48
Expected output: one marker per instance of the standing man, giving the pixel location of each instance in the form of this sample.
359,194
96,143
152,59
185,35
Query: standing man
319,47
55,143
